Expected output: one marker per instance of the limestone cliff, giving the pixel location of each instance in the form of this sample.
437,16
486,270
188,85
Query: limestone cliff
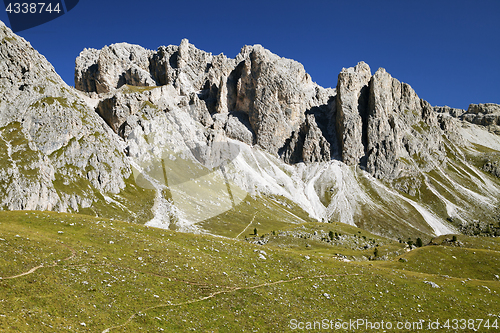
266,96
179,99
178,136
57,153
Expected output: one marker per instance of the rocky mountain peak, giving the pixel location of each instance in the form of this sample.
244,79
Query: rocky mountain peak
376,116
269,101
130,139
270,94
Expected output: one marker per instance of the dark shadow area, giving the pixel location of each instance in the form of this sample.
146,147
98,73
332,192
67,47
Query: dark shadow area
159,64
105,110
363,110
232,86
325,117
87,82
209,95
122,80
291,152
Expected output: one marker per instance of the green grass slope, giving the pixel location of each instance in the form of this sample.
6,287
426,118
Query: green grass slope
76,273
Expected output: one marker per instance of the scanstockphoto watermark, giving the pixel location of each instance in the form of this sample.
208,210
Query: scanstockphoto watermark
366,325
353,325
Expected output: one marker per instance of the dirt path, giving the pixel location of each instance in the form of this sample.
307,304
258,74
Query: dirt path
228,290
34,269
249,224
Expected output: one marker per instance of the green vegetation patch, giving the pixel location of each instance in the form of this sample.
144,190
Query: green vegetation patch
451,261
128,89
50,101
266,213
101,274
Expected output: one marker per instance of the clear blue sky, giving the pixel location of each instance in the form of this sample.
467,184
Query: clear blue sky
448,51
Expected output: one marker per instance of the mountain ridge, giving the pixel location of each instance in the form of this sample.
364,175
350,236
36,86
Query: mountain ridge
351,154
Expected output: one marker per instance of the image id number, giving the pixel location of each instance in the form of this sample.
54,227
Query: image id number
32,8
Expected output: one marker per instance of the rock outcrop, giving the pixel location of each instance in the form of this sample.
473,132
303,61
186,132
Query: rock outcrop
483,114
307,144
379,122
275,93
265,96
111,67
57,153
454,112
195,134
352,111
394,108
487,115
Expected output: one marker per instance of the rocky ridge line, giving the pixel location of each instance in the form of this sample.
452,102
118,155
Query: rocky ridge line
373,121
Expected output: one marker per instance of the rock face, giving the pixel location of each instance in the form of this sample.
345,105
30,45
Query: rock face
378,120
275,93
266,97
352,104
487,115
394,108
57,153
450,111
109,68
308,144
383,132
483,114
188,135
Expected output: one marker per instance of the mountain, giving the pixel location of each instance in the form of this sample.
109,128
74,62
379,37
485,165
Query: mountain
56,152
182,139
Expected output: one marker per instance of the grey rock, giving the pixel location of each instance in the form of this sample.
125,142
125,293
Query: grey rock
104,70
379,123
238,127
275,93
308,144
351,108
454,112
432,284
57,153
394,111
483,114
487,115
190,70
487,108
383,132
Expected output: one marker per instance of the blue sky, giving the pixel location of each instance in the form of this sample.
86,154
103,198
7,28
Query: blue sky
448,51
